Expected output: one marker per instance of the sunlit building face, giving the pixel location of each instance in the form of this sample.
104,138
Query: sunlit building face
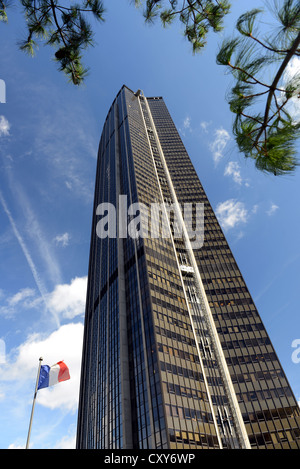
175,354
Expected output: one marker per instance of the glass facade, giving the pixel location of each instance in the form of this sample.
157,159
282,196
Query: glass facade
175,354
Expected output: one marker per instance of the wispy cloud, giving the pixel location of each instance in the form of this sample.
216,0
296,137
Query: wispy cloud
34,229
231,213
4,127
272,209
63,140
67,442
62,240
218,146
186,126
25,299
233,169
187,123
66,153
21,296
204,126
33,269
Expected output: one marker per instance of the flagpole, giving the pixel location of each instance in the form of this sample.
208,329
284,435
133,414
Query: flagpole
34,399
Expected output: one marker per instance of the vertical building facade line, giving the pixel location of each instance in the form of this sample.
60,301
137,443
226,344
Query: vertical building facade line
166,221
239,424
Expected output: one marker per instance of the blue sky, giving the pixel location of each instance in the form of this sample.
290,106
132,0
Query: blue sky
49,134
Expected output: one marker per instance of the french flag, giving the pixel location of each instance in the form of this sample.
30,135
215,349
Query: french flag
50,375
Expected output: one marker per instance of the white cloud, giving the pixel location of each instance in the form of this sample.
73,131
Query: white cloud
4,127
18,371
21,296
231,213
16,446
63,239
187,123
233,169
292,71
26,298
218,146
68,300
64,344
186,126
272,209
67,442
240,235
204,125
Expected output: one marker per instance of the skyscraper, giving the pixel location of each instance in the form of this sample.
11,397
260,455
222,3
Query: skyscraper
175,354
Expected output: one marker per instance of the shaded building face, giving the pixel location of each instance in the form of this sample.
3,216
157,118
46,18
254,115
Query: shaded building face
175,354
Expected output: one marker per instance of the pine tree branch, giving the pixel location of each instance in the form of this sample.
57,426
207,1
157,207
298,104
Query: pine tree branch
278,75
252,77
271,49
